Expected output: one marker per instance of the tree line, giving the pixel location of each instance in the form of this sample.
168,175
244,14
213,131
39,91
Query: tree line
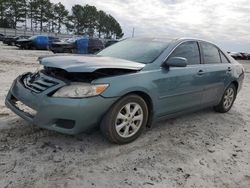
42,15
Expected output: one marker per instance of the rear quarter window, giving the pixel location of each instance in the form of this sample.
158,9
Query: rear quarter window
223,58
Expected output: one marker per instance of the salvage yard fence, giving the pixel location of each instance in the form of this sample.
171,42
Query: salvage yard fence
18,32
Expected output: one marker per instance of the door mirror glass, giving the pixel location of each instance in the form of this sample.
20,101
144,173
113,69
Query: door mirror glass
176,62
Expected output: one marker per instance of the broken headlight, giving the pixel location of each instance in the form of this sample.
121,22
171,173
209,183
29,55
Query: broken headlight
80,90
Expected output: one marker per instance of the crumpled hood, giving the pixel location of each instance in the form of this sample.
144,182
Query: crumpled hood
88,63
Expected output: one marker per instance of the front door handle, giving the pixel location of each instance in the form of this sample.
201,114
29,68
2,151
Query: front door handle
201,72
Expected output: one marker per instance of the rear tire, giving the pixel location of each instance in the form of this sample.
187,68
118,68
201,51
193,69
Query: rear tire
227,100
126,119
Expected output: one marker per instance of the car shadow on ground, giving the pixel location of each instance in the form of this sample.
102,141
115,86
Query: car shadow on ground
205,125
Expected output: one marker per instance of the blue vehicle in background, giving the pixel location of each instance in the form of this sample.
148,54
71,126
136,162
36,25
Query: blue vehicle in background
37,42
79,45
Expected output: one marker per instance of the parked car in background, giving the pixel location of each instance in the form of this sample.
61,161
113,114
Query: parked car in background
1,36
236,55
95,45
240,56
6,37
38,42
79,45
245,56
248,56
64,46
126,86
110,42
11,40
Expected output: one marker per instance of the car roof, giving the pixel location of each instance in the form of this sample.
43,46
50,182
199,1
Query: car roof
151,39
173,41
165,39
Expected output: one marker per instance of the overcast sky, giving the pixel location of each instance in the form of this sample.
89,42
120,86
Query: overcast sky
225,22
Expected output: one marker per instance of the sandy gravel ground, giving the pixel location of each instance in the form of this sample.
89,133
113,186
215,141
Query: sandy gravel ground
202,149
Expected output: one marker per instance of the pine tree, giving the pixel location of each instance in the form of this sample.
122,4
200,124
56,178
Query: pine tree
31,11
16,12
42,12
89,19
3,20
61,15
77,19
101,22
46,16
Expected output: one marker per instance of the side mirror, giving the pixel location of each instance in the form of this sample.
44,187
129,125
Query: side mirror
176,62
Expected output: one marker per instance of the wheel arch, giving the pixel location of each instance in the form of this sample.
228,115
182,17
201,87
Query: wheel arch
236,84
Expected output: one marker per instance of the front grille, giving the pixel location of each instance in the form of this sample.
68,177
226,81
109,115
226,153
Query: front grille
37,82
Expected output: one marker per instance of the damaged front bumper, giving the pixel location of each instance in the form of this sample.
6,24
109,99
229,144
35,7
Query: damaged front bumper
66,115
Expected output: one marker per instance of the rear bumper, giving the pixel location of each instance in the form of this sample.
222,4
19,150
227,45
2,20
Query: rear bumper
65,115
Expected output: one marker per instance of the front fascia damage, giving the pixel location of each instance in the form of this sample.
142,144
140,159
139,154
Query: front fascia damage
87,77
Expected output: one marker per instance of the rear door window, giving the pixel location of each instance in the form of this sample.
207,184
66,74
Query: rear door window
188,50
211,53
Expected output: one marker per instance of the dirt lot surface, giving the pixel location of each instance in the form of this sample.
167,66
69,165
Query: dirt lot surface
202,149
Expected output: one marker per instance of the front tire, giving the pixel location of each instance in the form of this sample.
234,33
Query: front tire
227,100
126,119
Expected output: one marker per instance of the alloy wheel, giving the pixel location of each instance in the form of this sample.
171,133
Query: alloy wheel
228,98
129,120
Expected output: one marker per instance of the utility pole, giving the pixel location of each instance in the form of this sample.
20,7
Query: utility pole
133,32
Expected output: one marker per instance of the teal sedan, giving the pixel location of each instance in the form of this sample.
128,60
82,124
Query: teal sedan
126,87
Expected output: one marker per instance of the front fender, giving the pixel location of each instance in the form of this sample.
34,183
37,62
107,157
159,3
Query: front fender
123,92
124,84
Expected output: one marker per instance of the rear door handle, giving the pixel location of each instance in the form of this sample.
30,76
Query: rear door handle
229,69
201,72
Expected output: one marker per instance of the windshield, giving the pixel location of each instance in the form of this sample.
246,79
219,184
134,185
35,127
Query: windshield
142,51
